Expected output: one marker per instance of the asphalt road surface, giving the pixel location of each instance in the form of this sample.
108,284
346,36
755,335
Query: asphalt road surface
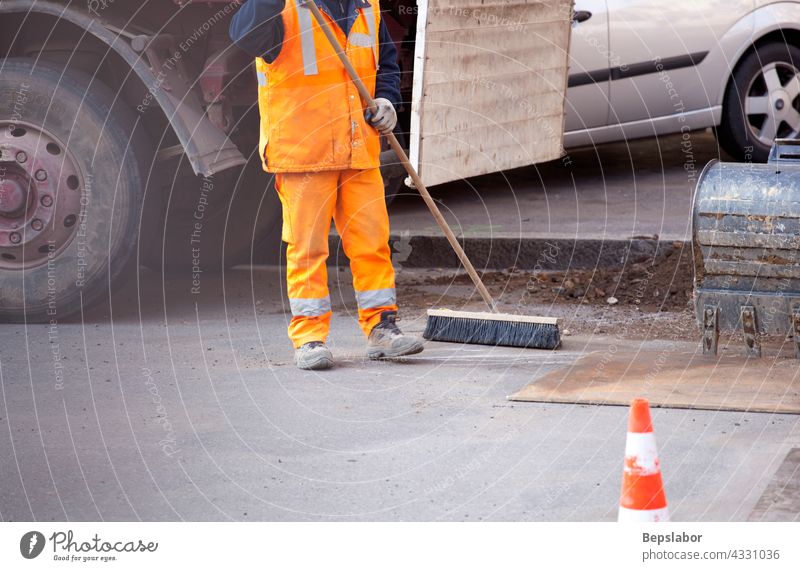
175,406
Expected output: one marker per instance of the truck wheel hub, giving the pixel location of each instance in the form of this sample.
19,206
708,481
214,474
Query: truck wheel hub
42,194
13,196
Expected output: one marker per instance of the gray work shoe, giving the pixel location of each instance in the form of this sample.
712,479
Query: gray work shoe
313,356
386,341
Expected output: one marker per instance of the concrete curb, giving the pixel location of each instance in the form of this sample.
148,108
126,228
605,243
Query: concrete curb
522,253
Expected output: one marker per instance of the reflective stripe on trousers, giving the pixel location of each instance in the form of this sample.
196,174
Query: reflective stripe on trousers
385,297
310,307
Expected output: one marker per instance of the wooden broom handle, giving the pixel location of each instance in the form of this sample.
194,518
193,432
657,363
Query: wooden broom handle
401,154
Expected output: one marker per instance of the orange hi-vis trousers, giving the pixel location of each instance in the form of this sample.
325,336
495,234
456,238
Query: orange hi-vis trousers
355,201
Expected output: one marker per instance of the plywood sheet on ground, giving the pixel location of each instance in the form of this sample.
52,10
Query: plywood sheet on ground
781,500
673,379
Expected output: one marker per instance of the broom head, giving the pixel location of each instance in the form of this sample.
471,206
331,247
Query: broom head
483,328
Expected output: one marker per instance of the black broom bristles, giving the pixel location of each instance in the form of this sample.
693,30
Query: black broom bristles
492,329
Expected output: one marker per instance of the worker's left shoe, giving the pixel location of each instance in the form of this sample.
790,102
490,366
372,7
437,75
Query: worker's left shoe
386,341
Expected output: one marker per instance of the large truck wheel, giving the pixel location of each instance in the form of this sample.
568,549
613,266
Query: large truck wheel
70,190
762,102
207,224
394,175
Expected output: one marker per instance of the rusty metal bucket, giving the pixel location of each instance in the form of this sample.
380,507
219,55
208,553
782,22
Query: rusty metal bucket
746,234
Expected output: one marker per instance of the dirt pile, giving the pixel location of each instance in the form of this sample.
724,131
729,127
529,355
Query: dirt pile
663,283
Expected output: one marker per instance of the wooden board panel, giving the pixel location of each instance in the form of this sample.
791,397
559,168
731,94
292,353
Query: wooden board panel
781,500
673,379
483,52
447,15
518,90
489,86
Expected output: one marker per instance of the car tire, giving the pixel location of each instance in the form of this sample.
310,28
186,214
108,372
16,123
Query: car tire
759,83
73,166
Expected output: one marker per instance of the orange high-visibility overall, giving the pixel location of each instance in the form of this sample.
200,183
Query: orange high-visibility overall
326,156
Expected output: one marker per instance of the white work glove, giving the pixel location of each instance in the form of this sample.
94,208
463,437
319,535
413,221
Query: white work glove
385,118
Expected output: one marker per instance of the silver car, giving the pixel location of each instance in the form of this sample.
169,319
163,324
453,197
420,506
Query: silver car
640,68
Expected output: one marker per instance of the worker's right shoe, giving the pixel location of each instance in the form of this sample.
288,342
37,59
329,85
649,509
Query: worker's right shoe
313,356
386,341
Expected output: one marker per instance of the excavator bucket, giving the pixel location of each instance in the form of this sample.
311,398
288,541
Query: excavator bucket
746,234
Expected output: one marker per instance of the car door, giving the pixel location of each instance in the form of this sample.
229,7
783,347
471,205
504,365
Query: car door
588,94
657,46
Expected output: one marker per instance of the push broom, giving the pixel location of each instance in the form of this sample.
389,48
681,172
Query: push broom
485,328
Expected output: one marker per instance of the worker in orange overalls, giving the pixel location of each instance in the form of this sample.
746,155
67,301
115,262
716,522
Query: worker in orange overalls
325,151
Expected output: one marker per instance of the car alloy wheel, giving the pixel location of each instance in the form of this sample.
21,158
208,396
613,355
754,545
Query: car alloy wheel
772,103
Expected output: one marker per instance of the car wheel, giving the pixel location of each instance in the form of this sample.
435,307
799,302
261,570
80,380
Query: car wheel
71,180
762,102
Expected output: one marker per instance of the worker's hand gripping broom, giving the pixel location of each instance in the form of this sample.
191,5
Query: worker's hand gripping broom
444,325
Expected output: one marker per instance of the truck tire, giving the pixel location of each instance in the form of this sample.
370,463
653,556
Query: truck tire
209,224
206,224
761,102
71,183
394,175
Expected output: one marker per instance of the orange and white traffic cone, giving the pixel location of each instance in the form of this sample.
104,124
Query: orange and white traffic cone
642,498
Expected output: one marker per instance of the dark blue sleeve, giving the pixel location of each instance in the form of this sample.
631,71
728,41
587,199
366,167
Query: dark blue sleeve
257,28
387,81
